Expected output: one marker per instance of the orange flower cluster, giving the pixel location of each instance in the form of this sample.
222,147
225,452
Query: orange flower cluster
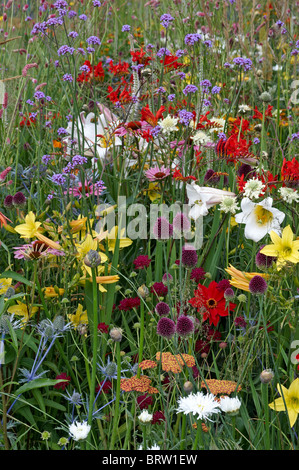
175,363
141,384
203,425
217,387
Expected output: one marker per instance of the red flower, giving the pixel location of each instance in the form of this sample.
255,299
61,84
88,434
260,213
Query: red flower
142,261
129,303
103,328
62,385
105,388
149,117
158,417
290,171
177,175
144,401
139,57
210,303
119,69
259,115
159,289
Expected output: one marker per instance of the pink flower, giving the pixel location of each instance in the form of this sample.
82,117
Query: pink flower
89,189
157,174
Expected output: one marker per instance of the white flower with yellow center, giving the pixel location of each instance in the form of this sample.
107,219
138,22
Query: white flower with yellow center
259,218
253,188
201,405
169,124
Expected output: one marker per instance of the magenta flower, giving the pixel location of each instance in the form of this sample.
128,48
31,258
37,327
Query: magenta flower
89,189
157,174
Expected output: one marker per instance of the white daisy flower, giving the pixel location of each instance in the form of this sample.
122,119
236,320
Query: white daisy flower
259,218
201,405
201,138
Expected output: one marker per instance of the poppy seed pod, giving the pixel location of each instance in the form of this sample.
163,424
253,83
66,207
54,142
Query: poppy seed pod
266,376
116,334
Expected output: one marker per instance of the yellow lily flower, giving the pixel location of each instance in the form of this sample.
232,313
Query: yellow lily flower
5,283
79,317
284,249
112,237
50,292
21,310
288,401
31,229
240,279
89,243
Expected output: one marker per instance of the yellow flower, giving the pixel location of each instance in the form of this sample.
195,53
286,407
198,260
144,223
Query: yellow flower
80,317
112,237
284,249
240,279
31,229
5,283
89,243
288,401
22,310
52,292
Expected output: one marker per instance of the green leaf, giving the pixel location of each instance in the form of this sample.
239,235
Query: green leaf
38,383
17,277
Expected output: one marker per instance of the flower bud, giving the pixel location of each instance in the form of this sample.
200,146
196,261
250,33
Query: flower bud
188,386
116,334
266,376
92,259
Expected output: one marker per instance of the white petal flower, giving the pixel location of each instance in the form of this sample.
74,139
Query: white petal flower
228,205
230,405
253,188
169,124
199,404
259,218
79,431
289,195
201,138
145,417
202,198
86,129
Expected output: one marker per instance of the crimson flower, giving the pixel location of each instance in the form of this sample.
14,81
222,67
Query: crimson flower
64,384
210,303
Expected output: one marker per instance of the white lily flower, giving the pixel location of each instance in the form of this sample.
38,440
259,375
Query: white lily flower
259,218
86,130
202,198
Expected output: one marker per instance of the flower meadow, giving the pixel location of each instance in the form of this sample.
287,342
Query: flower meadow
149,225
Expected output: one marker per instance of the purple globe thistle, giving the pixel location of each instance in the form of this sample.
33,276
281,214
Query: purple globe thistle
166,327
162,229
19,200
229,294
167,278
189,257
8,202
162,309
258,285
181,222
184,326
246,170
263,261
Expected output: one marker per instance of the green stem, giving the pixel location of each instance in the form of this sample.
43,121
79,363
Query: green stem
94,347
198,443
117,400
